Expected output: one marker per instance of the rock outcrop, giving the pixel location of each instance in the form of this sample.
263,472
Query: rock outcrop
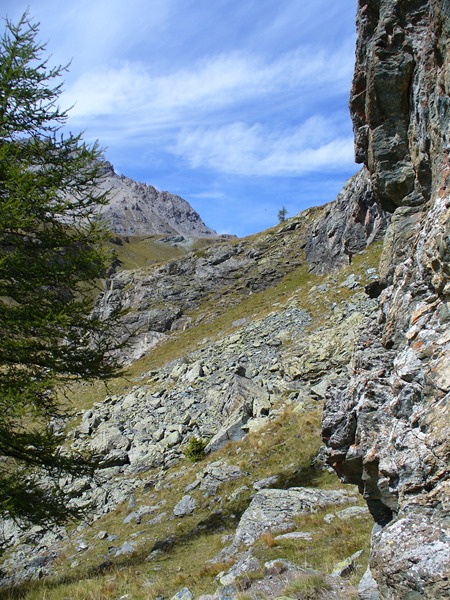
137,209
387,428
158,299
349,224
274,510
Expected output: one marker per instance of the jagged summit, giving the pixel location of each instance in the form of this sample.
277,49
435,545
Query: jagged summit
137,209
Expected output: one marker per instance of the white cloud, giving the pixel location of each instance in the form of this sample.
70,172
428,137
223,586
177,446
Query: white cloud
172,87
133,94
255,150
91,32
206,112
209,195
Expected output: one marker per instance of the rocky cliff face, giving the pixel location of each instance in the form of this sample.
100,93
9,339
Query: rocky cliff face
137,209
387,428
349,224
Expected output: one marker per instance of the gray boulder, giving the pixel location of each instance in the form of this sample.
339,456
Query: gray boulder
274,510
368,588
185,506
184,594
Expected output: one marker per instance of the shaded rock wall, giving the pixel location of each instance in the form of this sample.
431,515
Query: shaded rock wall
349,224
387,428
399,99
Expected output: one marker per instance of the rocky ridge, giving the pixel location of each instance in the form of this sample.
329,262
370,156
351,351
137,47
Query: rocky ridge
136,209
387,427
164,297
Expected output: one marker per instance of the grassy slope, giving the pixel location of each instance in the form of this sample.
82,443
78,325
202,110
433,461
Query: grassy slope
293,287
135,252
286,447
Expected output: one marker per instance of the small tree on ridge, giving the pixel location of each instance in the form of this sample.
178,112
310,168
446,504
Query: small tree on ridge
282,214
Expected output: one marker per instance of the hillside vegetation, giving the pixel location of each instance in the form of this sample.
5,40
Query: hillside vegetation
244,368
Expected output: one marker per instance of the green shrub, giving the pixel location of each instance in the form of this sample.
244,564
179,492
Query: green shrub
195,450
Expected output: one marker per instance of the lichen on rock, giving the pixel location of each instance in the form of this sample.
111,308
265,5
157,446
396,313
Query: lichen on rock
387,427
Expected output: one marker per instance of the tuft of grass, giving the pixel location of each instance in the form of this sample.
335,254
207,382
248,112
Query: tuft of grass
307,587
243,596
214,568
244,581
269,539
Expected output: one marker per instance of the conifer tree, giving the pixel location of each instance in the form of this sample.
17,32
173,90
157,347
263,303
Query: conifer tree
52,255
282,215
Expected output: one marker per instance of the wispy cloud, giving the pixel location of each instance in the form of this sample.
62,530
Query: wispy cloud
196,113
131,91
228,107
210,195
241,149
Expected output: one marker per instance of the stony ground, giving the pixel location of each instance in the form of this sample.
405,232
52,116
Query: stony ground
257,513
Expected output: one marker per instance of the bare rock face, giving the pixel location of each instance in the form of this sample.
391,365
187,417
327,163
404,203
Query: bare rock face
139,209
388,427
349,224
398,101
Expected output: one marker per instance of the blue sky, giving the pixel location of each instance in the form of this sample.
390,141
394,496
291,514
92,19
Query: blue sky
240,106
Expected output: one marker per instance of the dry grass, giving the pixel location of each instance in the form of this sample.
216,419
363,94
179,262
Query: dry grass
286,447
269,539
214,568
307,587
162,575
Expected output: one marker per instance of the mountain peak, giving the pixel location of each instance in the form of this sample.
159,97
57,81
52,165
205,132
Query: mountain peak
137,209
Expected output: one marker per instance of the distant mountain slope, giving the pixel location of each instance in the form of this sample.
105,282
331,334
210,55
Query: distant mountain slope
139,209
231,270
